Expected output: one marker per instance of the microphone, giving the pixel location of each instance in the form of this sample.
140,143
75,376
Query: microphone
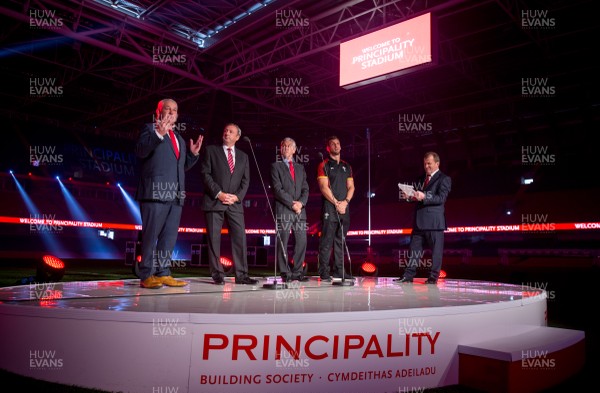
275,285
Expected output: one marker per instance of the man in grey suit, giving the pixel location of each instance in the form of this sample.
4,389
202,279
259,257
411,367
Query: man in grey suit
290,188
226,177
429,221
161,193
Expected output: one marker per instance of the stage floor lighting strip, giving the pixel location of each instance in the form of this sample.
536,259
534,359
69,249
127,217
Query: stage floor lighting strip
540,228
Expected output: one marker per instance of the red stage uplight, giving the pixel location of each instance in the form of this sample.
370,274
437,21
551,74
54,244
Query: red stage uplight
442,274
226,262
53,262
368,269
292,262
138,259
50,269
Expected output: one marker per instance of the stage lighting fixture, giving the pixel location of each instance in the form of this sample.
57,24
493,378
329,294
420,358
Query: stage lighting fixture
108,233
442,274
526,180
304,266
50,269
368,269
227,264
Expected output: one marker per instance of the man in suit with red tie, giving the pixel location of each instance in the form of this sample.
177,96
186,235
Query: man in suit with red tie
161,192
226,177
429,221
290,188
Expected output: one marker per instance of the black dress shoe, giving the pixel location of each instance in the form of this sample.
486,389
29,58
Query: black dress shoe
431,281
346,277
303,278
246,280
286,279
403,280
219,281
325,278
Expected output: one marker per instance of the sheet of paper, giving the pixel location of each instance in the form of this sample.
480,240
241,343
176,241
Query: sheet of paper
407,189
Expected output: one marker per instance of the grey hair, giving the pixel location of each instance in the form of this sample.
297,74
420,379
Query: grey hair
287,139
236,126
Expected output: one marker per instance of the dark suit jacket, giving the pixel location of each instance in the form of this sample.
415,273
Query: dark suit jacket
162,175
286,190
429,213
217,177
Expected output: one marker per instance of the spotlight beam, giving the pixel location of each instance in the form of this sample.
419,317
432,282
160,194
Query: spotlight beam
132,205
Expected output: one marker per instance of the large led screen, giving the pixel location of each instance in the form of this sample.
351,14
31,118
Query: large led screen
386,53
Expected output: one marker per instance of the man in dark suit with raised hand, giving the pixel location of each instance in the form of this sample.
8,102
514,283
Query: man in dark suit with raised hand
161,193
429,221
290,188
226,177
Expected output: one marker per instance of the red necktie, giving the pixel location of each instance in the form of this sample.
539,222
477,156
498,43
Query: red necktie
174,142
292,171
426,181
230,159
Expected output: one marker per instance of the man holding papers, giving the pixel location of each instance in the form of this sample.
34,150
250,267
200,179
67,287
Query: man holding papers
429,221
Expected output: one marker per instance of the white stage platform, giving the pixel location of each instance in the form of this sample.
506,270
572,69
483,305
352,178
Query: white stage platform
375,336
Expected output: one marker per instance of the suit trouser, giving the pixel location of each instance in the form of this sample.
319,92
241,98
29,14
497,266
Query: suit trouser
333,233
297,225
160,226
434,240
237,233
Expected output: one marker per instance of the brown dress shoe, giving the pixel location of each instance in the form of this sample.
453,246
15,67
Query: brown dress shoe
171,282
151,282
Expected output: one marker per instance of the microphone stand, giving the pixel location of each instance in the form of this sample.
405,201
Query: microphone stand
275,284
343,282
